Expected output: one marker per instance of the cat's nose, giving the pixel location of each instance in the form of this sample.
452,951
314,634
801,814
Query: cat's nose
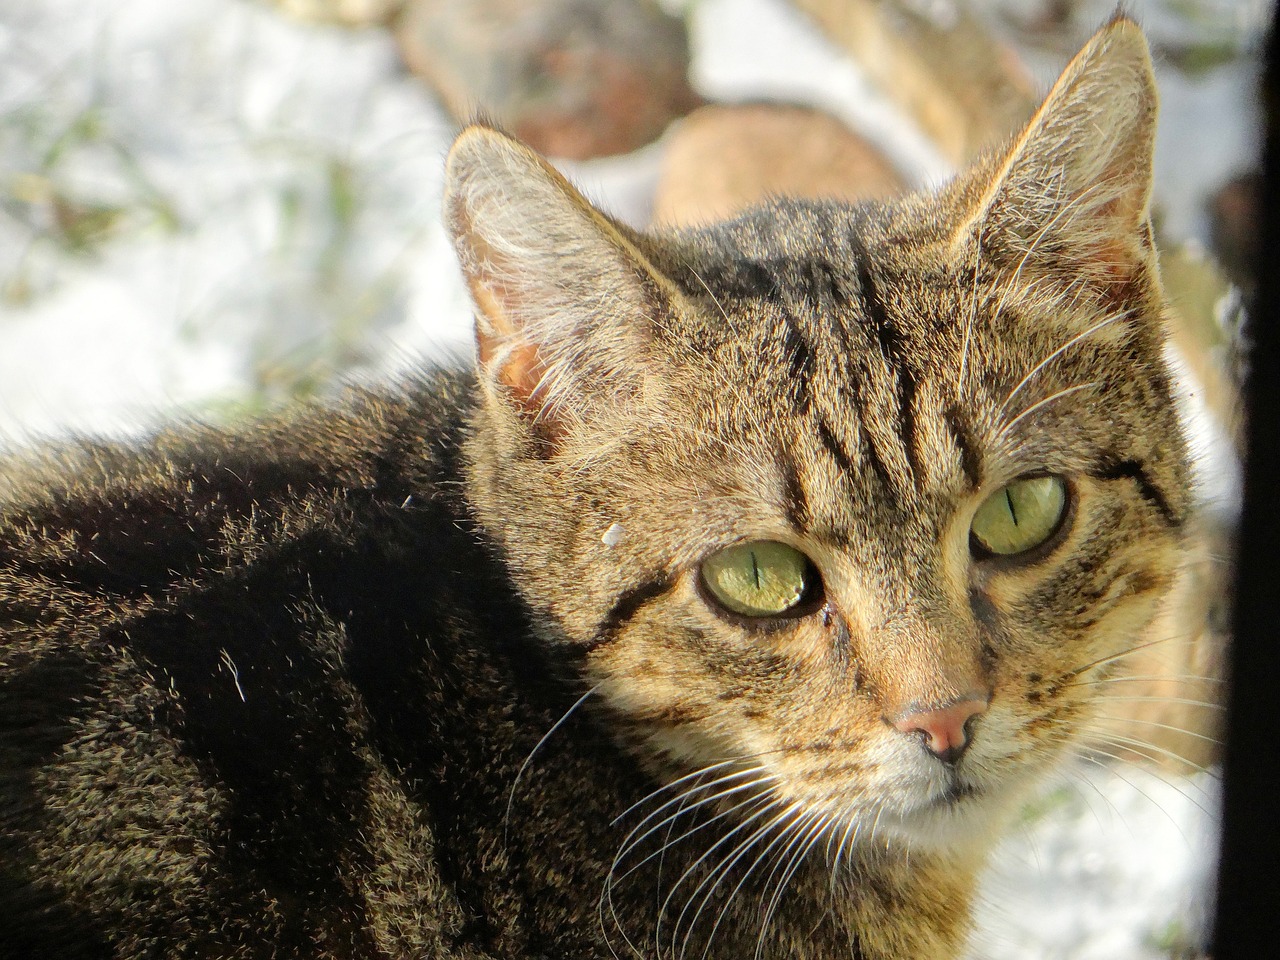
944,729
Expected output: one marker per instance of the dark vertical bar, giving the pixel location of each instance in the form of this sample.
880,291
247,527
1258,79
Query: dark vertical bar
1248,917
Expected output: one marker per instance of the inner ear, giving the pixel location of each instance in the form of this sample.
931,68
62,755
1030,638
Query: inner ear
565,300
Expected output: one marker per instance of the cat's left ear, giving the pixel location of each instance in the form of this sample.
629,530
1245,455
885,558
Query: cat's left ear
566,302
1071,197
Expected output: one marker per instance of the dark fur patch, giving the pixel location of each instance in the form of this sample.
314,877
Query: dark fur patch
626,606
1115,469
970,452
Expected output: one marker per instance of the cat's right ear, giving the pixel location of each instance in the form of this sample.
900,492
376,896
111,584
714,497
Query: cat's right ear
565,302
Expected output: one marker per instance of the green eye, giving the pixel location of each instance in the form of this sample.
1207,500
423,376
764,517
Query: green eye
759,579
1020,516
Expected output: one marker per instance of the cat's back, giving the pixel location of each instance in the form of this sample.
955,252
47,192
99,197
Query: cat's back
209,645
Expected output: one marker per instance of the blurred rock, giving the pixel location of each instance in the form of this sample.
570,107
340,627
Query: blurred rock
1233,227
573,78
721,159
352,13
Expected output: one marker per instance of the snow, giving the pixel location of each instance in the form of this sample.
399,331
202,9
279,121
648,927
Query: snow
280,216
271,189
1119,868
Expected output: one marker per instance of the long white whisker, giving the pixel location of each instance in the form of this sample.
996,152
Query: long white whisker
1146,749
682,798
1112,658
1008,427
718,874
1162,726
693,867
670,786
1101,324
763,795
691,788
1149,677
511,795
840,849
612,879
1116,773
746,875
811,833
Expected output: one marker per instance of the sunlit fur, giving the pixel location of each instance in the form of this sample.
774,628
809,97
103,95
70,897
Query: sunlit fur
852,382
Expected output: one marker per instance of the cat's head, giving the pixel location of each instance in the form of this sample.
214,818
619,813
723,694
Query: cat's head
860,502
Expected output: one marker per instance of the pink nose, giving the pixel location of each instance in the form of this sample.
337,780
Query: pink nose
944,728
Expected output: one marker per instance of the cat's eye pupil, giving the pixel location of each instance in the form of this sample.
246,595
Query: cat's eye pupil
1019,517
762,578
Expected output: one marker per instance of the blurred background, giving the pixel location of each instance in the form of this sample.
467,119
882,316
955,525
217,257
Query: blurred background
210,208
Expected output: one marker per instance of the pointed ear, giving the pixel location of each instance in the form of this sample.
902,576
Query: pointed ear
565,302
1071,196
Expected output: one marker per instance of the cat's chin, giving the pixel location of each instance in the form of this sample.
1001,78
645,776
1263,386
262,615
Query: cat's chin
944,812
960,817
951,813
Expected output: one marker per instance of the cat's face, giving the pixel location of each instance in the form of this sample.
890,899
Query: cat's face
849,509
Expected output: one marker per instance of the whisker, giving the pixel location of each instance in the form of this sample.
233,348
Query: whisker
1112,658
612,879
669,786
741,882
1150,751
1008,427
511,795
693,867
1148,678
814,833
1162,726
682,798
718,874
1181,701
1116,773
688,833
790,837
840,849
1100,325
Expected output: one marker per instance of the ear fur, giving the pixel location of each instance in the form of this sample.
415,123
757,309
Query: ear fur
562,296
1072,194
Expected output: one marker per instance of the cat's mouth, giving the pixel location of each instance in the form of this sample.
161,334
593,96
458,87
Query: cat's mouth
955,793
941,817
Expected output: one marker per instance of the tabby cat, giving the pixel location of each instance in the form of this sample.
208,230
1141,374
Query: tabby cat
727,609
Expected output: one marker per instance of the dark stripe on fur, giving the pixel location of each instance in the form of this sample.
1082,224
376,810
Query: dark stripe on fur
833,446
1134,470
795,502
907,418
627,606
801,360
891,347
871,302
873,457
970,458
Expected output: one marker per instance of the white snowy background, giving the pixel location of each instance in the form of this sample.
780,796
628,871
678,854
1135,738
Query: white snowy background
206,207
